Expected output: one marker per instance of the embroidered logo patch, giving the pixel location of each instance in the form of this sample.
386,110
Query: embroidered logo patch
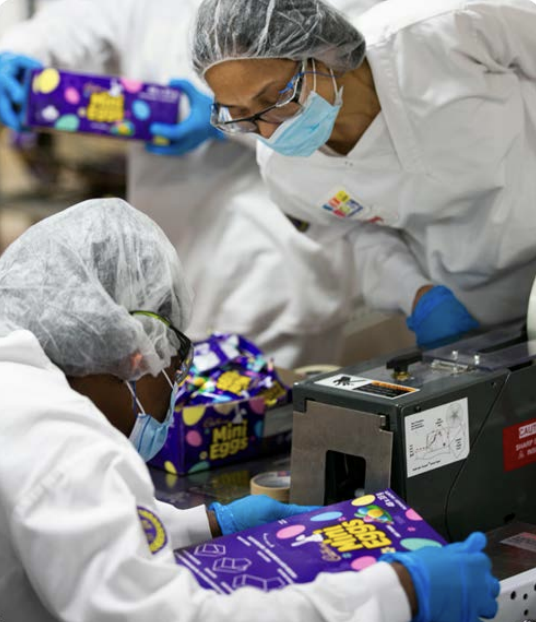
342,205
154,530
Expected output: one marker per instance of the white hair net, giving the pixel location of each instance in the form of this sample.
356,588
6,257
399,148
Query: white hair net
73,278
291,29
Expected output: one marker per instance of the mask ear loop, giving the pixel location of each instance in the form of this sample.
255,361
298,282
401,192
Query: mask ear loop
336,90
171,384
314,74
132,388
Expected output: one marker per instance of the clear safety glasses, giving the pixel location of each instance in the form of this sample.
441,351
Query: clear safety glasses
184,346
287,106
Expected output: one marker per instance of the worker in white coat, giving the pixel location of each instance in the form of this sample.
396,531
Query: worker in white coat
92,308
252,271
411,132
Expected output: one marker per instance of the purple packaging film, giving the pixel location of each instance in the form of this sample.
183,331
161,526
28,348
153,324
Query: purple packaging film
108,106
347,536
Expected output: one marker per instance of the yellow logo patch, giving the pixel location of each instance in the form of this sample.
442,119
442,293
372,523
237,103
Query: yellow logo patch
154,530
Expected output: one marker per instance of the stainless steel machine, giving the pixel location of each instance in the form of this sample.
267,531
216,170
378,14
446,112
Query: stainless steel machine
451,430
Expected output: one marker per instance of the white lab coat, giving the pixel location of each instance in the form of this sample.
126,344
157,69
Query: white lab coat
449,165
252,271
72,547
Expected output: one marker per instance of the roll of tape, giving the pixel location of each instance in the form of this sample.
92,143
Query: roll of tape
531,313
275,484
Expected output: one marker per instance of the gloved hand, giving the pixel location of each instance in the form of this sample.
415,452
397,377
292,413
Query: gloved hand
438,316
253,511
192,131
452,584
12,73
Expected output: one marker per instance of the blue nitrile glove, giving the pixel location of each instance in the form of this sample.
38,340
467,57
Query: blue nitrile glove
452,584
253,511
438,316
12,74
190,133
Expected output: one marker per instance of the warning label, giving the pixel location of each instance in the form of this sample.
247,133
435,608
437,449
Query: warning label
524,540
357,384
519,445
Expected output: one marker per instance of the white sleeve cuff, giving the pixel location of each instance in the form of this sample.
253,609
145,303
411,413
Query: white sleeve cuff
185,527
392,601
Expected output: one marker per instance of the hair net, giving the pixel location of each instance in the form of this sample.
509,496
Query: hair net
293,29
73,278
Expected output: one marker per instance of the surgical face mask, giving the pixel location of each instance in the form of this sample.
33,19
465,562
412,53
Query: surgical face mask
149,435
305,133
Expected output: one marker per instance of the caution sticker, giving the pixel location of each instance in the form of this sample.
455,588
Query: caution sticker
524,540
358,384
519,445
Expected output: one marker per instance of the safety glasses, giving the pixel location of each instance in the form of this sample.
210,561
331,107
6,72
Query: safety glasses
287,106
184,345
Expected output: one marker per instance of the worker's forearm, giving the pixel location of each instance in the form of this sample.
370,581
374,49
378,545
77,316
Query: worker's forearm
215,529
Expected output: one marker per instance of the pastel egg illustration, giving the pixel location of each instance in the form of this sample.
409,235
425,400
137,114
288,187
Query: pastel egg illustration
325,516
290,532
366,500
132,86
258,406
47,81
125,128
194,439
72,96
414,544
200,466
259,429
193,414
170,467
224,409
160,141
141,110
363,562
412,515
68,123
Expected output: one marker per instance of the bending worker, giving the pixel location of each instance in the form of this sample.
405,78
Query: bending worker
411,132
93,303
205,192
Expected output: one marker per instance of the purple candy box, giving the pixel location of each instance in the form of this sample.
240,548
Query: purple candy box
108,106
347,536
234,406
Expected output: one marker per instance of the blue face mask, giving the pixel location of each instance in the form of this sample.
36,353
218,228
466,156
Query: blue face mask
149,435
305,133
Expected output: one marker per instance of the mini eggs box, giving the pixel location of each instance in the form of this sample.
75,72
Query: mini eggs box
347,536
234,406
107,106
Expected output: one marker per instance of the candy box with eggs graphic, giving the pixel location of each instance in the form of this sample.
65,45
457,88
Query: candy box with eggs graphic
347,536
108,106
234,405
213,435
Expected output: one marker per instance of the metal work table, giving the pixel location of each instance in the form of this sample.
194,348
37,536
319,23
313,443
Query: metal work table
224,484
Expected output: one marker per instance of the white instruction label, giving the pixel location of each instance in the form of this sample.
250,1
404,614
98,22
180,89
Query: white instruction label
437,437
